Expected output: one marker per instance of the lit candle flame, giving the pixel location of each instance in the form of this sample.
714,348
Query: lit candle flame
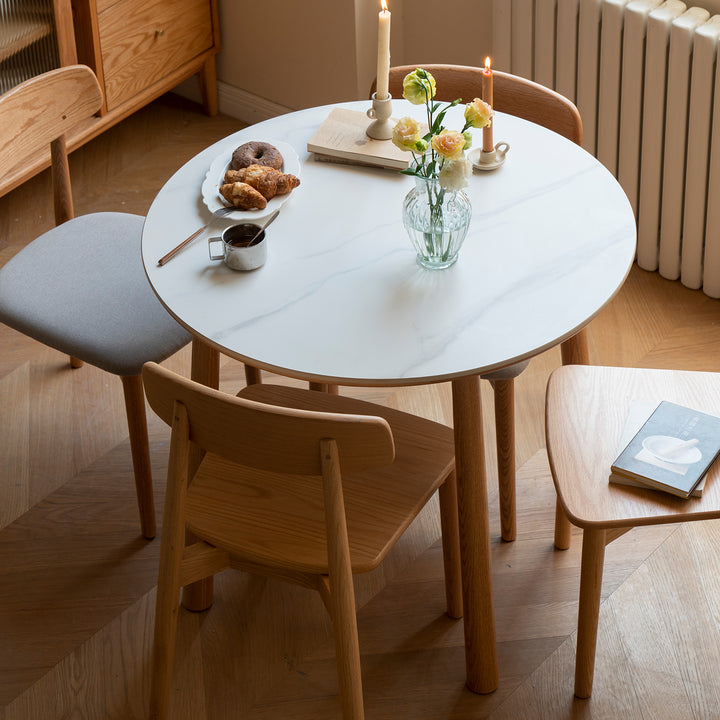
384,6
487,60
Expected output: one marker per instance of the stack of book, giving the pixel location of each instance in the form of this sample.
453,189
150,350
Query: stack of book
342,138
671,450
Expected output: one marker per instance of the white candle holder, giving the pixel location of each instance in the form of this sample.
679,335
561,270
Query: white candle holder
380,128
484,160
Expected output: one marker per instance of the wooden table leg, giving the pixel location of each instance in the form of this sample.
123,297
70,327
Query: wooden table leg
253,375
324,387
575,349
574,352
205,369
479,617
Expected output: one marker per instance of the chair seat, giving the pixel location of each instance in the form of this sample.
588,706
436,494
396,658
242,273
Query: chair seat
233,511
586,409
81,289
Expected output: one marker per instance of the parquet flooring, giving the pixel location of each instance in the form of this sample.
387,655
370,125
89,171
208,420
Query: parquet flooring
78,582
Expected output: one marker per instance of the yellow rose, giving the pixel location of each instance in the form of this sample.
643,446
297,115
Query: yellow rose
478,114
418,86
406,135
449,144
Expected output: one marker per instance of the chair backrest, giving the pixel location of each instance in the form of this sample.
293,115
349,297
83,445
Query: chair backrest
38,113
267,437
511,94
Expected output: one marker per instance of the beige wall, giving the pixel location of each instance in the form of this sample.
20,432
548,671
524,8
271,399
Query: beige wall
299,54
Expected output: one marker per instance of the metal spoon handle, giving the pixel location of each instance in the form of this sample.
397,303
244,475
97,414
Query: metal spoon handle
218,213
264,225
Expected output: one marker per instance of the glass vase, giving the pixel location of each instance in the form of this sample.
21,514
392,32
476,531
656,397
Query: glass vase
437,222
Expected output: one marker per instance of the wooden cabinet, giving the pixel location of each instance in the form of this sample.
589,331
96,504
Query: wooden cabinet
32,39
141,41
139,49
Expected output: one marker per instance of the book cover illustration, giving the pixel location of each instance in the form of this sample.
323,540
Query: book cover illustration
673,450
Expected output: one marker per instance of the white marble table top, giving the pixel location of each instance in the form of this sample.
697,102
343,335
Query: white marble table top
341,298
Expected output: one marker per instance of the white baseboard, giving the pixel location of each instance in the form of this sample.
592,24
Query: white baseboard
235,102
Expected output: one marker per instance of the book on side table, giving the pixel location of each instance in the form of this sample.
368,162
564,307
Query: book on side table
671,450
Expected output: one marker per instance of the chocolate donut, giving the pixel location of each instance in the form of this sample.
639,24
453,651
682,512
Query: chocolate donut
256,153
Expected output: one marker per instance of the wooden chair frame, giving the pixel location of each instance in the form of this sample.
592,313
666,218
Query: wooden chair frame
254,432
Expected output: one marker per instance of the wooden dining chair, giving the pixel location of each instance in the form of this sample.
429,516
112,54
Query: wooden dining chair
586,412
81,287
306,486
534,102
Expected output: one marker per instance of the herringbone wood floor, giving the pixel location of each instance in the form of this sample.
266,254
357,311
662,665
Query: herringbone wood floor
76,600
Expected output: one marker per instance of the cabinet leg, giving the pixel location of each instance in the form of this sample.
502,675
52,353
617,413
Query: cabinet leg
208,86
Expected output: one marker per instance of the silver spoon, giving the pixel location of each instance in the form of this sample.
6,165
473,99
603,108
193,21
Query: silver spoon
263,226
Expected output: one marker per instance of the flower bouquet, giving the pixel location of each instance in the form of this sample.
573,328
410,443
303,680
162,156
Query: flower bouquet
437,213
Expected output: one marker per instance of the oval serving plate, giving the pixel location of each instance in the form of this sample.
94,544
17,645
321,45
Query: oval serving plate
213,179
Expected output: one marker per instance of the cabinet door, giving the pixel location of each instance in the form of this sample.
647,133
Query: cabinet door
142,41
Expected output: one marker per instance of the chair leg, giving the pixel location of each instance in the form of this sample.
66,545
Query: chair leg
205,369
591,572
347,652
172,550
451,546
137,427
163,654
504,397
340,585
563,528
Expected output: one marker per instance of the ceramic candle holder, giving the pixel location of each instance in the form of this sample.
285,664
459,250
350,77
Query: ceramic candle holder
380,128
482,160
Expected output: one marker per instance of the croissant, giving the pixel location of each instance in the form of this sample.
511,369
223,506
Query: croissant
266,180
243,196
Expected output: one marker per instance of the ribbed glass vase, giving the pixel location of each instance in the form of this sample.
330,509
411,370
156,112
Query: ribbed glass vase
437,222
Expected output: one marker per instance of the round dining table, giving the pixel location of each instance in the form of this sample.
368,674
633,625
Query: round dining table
341,299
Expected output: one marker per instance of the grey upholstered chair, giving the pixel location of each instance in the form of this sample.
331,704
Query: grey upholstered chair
81,287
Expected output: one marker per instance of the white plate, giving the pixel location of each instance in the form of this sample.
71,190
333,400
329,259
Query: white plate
661,446
211,185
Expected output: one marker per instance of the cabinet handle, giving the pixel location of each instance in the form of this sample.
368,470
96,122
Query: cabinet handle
159,33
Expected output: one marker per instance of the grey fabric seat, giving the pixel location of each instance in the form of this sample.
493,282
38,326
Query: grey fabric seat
81,287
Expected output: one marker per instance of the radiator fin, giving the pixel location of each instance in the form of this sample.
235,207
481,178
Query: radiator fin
645,76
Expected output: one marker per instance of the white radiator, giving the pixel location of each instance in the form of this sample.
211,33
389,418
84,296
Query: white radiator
646,78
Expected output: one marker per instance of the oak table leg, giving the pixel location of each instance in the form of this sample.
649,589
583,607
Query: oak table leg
205,369
575,349
324,387
253,375
479,618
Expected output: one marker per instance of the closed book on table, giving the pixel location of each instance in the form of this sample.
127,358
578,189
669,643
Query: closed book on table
342,138
672,451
